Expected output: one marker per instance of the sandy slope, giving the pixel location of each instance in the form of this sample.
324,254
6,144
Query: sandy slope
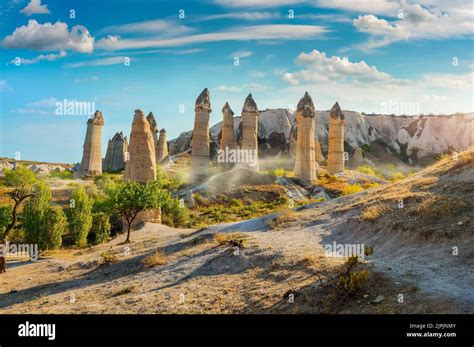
200,276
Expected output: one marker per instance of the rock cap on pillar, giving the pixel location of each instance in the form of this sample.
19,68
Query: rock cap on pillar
97,119
203,102
249,105
226,109
152,121
336,112
304,102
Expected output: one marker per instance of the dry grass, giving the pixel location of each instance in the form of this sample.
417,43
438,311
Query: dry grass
108,257
282,219
156,259
372,213
234,239
124,291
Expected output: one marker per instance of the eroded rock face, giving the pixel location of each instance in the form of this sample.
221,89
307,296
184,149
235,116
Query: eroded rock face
200,155
91,163
141,166
116,155
305,163
162,150
154,131
250,130
319,153
358,157
336,140
228,138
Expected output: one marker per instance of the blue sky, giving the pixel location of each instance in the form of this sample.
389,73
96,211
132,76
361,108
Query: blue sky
364,54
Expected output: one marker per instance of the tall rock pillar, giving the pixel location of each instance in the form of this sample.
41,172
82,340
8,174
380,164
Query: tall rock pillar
319,153
250,132
162,150
141,166
91,163
200,150
336,140
154,132
305,163
228,140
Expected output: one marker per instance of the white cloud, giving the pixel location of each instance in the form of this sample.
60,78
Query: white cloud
249,16
241,54
380,7
101,62
319,68
257,3
256,87
48,36
156,26
227,89
257,32
49,102
41,57
417,22
35,7
86,79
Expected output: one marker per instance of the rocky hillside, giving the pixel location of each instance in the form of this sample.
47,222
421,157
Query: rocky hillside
411,138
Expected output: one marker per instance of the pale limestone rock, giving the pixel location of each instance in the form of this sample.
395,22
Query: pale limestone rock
141,166
319,153
116,154
250,130
228,139
91,163
154,131
358,156
162,150
305,163
200,155
336,140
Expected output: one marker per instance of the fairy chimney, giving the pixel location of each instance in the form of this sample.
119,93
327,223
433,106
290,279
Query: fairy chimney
200,150
319,153
228,139
336,140
116,154
141,166
91,163
250,132
162,150
305,163
154,131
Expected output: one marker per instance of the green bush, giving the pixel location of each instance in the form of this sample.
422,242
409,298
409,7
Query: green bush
100,228
80,216
5,217
42,224
65,175
56,225
174,214
34,213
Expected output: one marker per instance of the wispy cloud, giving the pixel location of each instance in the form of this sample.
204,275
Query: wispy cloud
100,62
248,16
257,32
241,54
39,58
157,26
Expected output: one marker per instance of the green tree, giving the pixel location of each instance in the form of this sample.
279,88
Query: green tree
101,227
56,225
80,216
130,198
5,217
34,213
21,180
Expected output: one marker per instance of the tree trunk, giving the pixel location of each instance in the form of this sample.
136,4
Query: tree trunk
8,229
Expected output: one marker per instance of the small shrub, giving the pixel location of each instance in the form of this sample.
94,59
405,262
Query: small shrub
372,213
64,175
282,218
233,239
351,189
174,213
100,228
108,257
155,259
125,290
